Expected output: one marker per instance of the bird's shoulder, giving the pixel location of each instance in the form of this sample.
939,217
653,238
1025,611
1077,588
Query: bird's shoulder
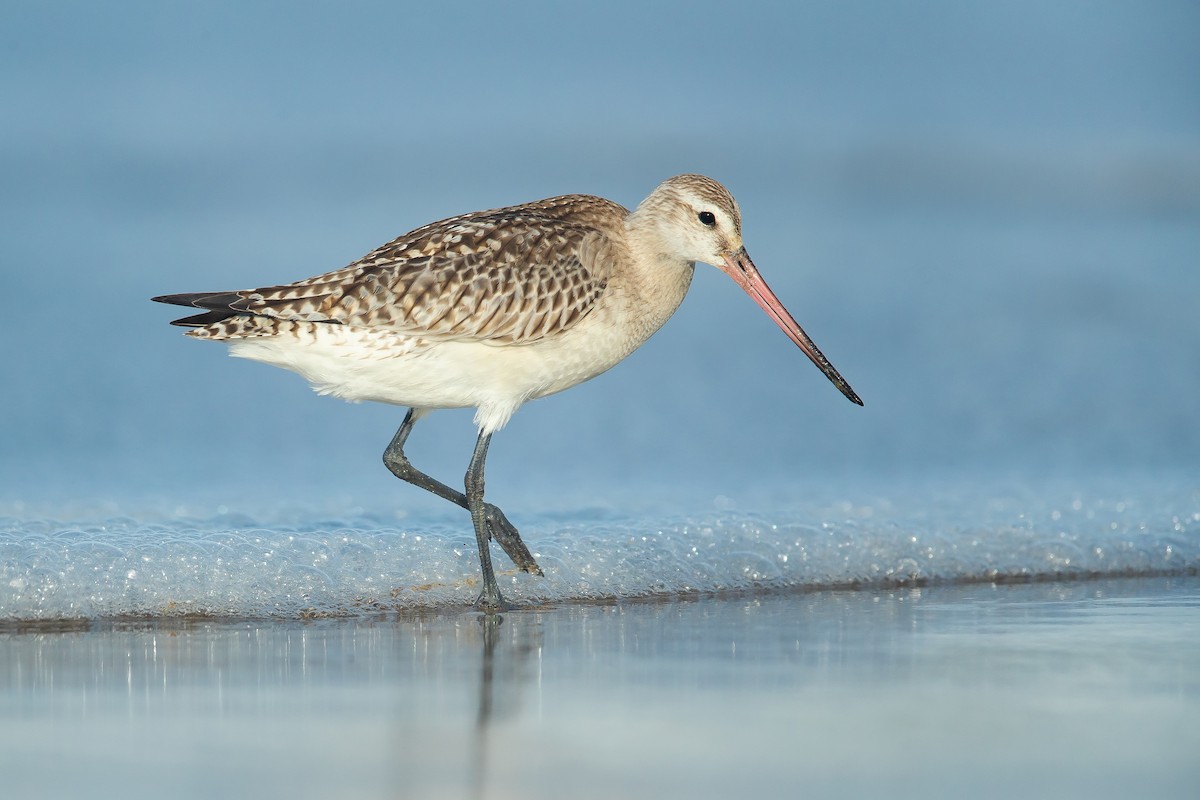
527,232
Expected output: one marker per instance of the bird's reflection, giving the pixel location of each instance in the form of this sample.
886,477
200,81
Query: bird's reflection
512,644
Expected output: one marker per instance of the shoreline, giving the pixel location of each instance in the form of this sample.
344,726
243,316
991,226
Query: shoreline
422,612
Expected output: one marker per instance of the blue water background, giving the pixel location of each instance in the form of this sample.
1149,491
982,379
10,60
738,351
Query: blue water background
987,216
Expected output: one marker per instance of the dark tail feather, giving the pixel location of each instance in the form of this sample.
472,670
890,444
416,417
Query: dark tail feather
217,301
200,320
220,305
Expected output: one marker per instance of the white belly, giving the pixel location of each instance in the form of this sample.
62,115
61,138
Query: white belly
359,364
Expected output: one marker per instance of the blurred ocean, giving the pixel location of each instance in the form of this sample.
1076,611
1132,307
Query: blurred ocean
987,216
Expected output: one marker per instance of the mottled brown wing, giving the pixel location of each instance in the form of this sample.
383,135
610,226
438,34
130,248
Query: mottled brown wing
510,275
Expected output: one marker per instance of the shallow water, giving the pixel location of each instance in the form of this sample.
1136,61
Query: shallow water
1086,689
305,563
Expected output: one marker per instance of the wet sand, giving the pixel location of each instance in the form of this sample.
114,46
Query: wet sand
1084,689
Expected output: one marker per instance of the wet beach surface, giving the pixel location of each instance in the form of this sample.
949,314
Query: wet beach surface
1074,689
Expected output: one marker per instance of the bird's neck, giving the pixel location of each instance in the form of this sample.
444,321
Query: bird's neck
658,277
650,247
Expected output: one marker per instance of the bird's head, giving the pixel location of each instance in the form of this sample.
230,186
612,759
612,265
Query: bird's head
696,219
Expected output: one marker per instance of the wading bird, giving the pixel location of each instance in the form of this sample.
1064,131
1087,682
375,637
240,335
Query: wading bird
490,309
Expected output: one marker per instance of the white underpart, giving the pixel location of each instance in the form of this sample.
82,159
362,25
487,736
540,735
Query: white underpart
358,364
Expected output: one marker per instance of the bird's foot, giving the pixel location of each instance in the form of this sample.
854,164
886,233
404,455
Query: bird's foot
504,533
490,601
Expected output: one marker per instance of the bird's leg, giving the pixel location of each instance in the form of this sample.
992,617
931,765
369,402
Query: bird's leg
490,599
498,526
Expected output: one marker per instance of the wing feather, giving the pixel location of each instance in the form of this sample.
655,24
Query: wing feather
509,275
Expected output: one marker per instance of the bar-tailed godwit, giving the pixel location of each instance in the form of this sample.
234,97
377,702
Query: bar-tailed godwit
490,309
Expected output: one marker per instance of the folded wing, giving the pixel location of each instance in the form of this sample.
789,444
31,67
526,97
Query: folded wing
509,275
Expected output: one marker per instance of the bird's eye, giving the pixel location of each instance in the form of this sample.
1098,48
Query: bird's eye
707,219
